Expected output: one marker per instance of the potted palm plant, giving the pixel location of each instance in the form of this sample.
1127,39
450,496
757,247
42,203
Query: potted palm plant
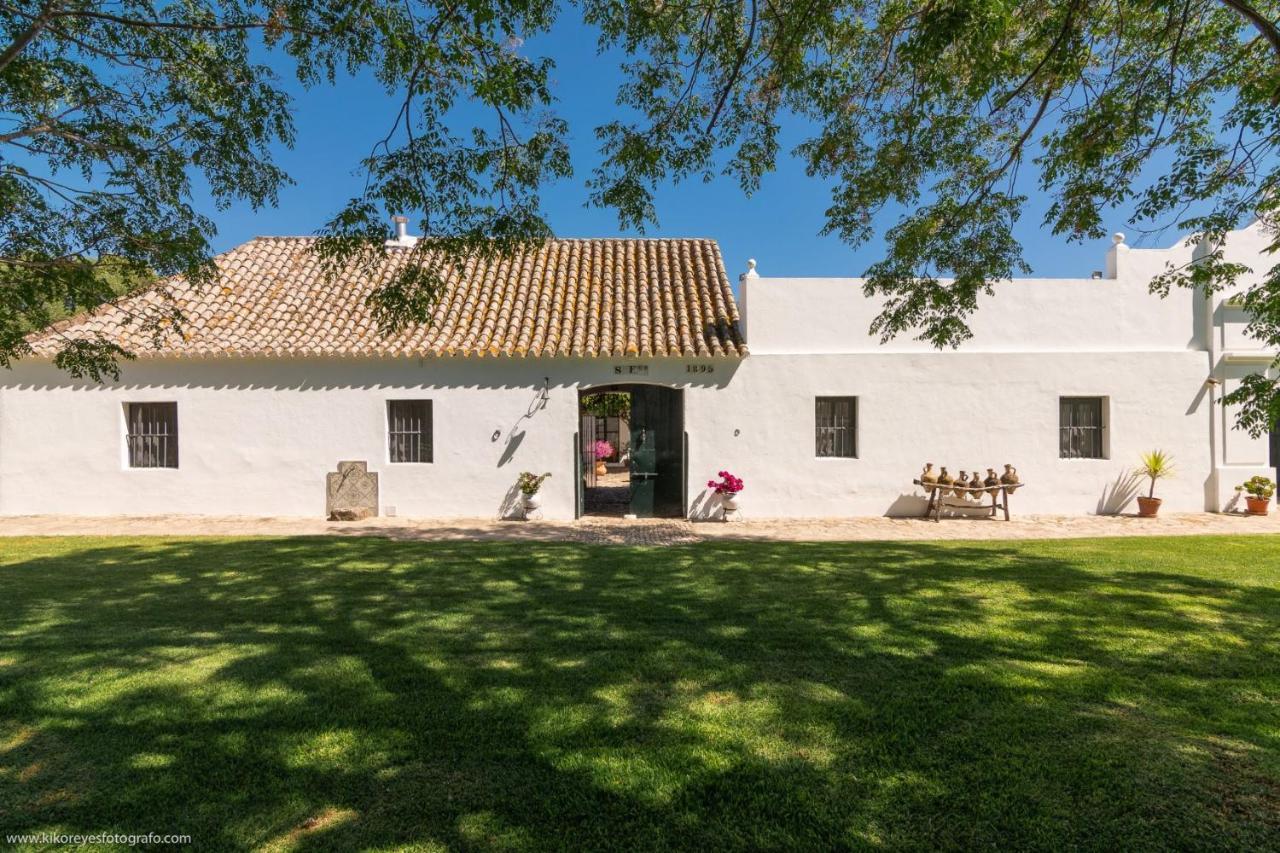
1156,465
1258,493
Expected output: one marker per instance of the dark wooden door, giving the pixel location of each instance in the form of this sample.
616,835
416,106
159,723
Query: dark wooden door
657,451
668,491
579,492
644,453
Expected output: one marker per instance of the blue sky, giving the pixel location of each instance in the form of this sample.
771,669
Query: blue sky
779,226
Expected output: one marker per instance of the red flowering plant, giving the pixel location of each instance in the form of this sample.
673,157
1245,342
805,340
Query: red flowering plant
603,450
728,486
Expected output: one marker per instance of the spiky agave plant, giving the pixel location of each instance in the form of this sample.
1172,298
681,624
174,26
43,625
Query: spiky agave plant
1156,465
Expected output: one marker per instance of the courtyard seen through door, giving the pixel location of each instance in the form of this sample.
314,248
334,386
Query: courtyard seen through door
631,451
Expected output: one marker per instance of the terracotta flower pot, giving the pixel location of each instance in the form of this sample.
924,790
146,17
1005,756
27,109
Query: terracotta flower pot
1149,507
1258,506
601,468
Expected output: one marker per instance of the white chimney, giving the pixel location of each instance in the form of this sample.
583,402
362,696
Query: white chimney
402,233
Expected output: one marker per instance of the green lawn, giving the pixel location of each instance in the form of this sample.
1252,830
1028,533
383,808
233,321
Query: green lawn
337,693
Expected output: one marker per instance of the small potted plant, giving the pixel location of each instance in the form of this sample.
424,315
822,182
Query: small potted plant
728,488
1156,465
1258,493
603,450
529,484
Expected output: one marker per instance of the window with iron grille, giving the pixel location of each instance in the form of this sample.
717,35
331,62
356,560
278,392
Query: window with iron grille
836,426
152,434
1080,434
409,430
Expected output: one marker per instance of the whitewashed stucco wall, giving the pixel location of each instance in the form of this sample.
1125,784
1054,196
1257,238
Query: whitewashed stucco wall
1037,339
815,315
258,435
961,410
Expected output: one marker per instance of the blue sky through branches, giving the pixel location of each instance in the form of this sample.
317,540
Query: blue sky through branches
779,226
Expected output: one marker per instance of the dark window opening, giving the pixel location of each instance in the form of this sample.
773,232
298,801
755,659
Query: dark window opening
152,434
409,430
836,427
1080,428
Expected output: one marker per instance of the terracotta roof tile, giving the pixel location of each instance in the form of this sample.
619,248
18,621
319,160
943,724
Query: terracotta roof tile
602,298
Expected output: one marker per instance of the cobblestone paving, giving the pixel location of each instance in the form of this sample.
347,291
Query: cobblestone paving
636,532
646,531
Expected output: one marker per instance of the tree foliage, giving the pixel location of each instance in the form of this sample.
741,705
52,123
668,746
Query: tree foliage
608,404
953,111
109,112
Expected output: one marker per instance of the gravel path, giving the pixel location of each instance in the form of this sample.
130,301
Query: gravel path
646,531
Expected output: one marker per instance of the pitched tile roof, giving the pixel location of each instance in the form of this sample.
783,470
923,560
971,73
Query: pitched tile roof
605,298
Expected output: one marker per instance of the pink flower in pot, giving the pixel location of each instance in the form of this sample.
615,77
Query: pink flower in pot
727,487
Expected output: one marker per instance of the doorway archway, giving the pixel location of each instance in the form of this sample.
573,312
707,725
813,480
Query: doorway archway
644,473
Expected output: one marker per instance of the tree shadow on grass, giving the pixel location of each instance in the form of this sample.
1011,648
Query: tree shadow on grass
338,693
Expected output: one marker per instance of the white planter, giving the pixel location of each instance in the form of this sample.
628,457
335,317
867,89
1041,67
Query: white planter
730,502
532,503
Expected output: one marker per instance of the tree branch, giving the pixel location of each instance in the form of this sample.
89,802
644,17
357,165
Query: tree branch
190,26
25,38
737,69
1260,23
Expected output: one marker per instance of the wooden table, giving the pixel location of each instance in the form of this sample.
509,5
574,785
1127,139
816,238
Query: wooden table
938,495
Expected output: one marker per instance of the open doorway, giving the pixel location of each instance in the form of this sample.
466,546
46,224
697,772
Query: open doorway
631,450
606,444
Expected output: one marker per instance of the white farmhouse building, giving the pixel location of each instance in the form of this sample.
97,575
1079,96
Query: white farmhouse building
280,374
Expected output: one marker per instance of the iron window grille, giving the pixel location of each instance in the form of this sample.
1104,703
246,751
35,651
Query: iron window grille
409,431
836,429
1081,425
152,434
